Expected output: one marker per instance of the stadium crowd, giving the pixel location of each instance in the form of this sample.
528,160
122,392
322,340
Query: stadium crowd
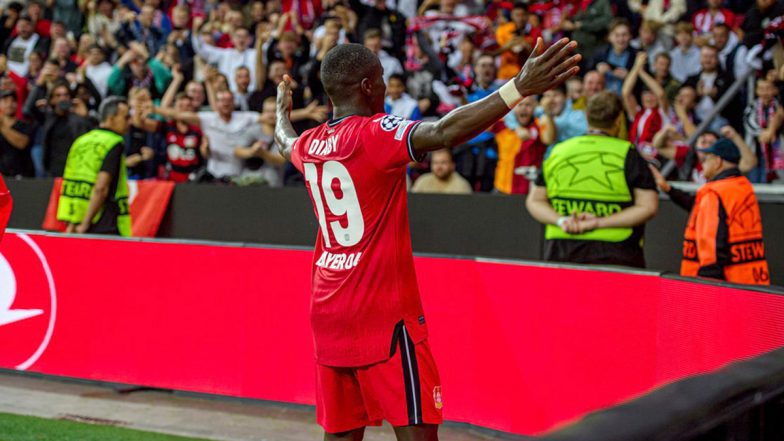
200,77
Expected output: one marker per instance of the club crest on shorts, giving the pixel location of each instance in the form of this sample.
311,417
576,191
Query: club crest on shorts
390,122
437,397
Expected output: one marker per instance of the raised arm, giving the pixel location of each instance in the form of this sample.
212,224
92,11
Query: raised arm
186,117
285,136
627,91
177,78
748,159
261,68
541,72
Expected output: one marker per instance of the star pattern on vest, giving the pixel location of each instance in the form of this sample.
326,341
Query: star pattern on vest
746,215
591,166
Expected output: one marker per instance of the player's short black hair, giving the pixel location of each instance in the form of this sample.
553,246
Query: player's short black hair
345,66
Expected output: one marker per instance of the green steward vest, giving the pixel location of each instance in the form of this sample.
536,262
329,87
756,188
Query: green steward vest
586,174
81,171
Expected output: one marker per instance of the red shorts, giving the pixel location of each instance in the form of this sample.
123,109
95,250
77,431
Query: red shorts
404,390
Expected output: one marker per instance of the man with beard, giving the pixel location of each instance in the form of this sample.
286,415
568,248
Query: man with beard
442,177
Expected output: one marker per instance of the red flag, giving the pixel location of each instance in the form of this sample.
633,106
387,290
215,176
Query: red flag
6,204
148,203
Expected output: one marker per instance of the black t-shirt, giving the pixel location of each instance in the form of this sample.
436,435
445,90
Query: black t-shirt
107,224
58,143
13,161
628,252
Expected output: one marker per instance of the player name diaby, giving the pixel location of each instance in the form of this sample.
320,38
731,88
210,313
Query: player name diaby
321,147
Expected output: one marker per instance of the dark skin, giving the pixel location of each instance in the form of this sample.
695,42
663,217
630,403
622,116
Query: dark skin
542,71
547,69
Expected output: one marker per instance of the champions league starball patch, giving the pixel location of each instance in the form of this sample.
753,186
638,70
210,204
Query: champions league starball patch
390,122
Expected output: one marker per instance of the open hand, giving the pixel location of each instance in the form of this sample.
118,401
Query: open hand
546,69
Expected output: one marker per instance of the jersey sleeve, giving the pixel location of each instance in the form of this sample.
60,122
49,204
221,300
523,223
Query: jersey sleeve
387,139
296,156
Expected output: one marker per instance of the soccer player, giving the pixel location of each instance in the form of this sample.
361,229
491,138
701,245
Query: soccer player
373,359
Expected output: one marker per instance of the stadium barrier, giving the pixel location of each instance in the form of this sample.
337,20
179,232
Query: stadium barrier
484,225
744,401
523,347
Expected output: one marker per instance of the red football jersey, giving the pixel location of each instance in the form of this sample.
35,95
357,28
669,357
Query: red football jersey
363,269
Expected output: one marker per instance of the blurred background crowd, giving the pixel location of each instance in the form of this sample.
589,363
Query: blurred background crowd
201,75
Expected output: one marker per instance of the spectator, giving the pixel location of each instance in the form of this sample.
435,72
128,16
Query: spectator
195,90
8,20
136,69
61,54
263,163
648,116
61,120
398,102
723,238
476,159
140,139
227,60
290,47
103,21
15,139
615,59
19,49
70,14
186,146
442,177
685,56
515,39
589,26
649,41
732,54
756,19
758,121
558,116
141,29
391,22
574,89
97,70
664,12
372,41
94,197
181,37
242,80
520,149
711,83
705,19
597,212
593,83
661,73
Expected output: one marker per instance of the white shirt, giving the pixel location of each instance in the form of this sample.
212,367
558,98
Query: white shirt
225,137
390,64
99,75
685,64
19,54
228,60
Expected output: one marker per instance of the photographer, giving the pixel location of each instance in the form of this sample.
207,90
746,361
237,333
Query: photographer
61,118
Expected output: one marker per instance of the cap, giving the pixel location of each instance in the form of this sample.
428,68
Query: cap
7,93
724,149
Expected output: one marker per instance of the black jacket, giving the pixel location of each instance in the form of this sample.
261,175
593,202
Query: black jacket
55,151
